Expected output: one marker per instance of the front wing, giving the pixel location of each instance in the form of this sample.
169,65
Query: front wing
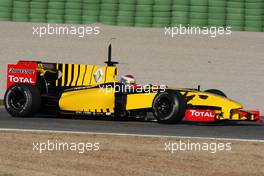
215,115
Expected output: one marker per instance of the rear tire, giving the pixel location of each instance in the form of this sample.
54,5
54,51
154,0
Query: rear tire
216,92
169,107
22,100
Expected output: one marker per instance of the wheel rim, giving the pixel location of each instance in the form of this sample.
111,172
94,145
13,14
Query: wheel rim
17,99
164,108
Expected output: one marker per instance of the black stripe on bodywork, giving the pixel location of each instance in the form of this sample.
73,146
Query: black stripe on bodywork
91,75
105,74
79,67
84,74
51,78
72,74
60,79
66,74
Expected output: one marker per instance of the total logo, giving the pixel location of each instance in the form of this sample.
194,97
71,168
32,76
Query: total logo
196,113
14,79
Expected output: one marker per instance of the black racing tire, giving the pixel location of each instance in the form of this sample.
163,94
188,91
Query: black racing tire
216,92
169,107
22,100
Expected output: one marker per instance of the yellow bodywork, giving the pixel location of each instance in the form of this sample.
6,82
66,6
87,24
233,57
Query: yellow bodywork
88,100
139,101
95,99
102,100
92,98
73,75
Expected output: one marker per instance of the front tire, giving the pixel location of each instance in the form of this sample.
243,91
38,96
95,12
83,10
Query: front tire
22,100
169,107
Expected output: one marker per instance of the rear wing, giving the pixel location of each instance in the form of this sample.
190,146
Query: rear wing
60,76
22,72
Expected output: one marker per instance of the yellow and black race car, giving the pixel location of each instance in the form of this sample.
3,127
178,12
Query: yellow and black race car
34,87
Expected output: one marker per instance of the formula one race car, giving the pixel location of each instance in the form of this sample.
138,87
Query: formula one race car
34,87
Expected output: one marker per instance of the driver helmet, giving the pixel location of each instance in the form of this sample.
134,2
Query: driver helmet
128,80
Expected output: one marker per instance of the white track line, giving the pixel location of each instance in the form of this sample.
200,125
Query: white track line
124,134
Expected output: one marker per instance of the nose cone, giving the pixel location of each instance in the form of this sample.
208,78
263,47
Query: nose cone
234,104
223,102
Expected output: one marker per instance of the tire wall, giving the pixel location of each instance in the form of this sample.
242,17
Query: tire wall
241,15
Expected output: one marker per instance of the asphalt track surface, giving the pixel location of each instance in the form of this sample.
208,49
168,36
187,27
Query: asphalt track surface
238,130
